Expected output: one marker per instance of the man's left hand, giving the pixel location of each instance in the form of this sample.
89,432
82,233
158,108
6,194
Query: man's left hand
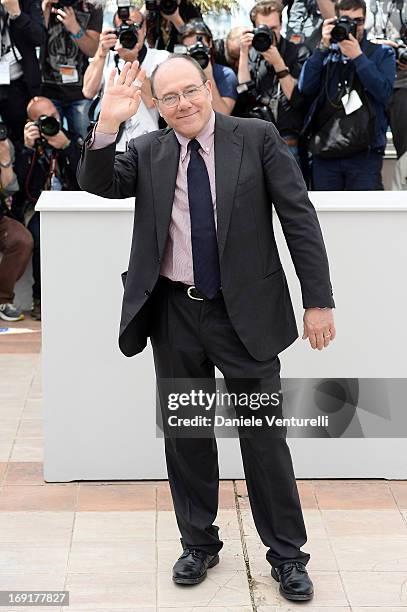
319,327
11,6
351,47
68,19
59,141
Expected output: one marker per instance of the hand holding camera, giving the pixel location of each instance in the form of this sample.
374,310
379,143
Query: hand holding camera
121,98
107,41
45,130
68,18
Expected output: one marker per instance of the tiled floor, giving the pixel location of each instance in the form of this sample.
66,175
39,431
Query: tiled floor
112,545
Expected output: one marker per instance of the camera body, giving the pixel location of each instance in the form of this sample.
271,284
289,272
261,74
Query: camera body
262,109
126,33
200,52
61,4
343,26
263,38
167,7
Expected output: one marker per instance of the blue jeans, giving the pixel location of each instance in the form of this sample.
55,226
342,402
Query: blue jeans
76,115
360,172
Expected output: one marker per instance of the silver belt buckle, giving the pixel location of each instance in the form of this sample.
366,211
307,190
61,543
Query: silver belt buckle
191,296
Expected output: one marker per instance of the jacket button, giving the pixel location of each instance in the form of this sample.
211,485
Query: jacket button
147,292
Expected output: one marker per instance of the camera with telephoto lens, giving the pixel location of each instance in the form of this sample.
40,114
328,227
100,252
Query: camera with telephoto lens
48,126
401,54
126,33
342,28
167,7
200,52
262,109
263,38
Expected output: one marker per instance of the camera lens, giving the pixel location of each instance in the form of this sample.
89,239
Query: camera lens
128,36
201,57
168,7
343,27
262,39
49,126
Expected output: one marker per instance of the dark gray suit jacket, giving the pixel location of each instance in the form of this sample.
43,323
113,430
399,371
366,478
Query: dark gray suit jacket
254,169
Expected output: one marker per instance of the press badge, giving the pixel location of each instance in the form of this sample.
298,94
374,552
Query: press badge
351,102
7,62
69,74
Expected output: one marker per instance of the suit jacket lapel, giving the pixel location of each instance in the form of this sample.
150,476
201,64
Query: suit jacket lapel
164,167
228,157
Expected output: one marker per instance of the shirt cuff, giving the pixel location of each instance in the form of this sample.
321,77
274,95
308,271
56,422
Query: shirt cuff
100,140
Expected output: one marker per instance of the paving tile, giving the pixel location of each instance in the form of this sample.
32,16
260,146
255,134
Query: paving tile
40,527
314,523
164,499
3,470
30,428
106,526
231,555
116,497
92,591
31,557
371,553
46,497
380,589
328,590
399,489
377,609
220,588
25,472
28,449
112,557
32,581
226,494
12,409
355,494
167,528
8,428
33,409
363,522
5,451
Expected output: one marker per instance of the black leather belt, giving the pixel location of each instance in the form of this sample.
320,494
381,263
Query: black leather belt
192,292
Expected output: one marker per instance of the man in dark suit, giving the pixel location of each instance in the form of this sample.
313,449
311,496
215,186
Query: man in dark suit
206,284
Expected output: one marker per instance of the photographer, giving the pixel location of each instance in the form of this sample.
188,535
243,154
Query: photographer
198,41
350,81
268,68
166,20
46,161
21,31
16,243
390,28
73,31
227,50
126,43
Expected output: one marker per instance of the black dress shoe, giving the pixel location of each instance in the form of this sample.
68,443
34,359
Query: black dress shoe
295,584
192,565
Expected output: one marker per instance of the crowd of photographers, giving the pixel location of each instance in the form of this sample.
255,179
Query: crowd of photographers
331,77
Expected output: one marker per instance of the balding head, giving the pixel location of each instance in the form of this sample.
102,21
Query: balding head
39,105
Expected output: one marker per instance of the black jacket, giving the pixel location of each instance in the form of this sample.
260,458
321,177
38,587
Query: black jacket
26,33
260,172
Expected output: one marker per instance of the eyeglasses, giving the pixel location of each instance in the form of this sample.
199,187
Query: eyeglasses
173,99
